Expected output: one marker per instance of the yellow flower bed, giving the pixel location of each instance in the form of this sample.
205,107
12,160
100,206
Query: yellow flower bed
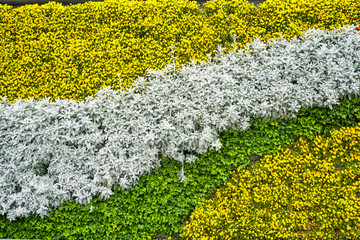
292,17
70,52
275,17
230,18
310,189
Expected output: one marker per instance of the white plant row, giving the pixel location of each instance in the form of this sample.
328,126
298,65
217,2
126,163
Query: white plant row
53,152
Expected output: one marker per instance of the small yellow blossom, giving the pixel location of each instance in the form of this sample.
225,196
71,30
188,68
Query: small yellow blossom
303,192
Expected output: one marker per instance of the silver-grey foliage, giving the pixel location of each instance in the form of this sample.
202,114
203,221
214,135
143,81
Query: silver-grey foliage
53,152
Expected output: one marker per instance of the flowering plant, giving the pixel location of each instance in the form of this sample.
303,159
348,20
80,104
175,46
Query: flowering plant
53,152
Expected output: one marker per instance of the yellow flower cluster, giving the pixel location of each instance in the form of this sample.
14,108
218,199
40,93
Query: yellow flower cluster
231,18
310,189
70,52
292,17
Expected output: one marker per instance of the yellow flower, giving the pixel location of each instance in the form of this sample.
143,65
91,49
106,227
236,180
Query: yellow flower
277,201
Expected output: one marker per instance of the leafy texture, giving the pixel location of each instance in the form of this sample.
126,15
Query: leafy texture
158,206
310,190
70,52
52,152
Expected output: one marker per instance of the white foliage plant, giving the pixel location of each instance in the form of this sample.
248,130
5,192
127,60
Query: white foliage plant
52,152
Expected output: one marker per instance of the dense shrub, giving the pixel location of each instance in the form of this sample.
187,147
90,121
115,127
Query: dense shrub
308,190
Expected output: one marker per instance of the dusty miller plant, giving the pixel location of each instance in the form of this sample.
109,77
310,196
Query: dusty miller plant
53,152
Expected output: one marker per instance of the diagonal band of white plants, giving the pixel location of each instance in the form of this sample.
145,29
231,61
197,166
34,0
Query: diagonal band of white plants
53,152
